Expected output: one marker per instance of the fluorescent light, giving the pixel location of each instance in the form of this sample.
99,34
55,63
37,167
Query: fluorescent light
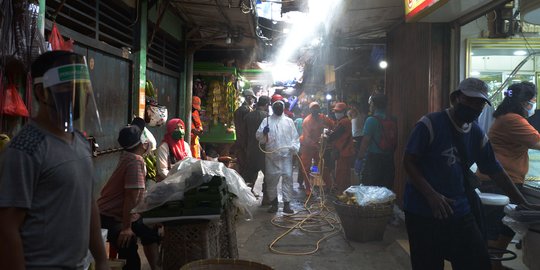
520,53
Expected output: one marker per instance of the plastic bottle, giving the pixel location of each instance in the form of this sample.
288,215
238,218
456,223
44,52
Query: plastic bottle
314,168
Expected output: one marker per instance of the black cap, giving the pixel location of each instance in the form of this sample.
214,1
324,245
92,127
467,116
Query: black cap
129,136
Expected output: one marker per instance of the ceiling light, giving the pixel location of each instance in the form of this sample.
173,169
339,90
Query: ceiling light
328,97
383,64
520,53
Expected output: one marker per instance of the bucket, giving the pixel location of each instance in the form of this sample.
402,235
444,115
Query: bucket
225,264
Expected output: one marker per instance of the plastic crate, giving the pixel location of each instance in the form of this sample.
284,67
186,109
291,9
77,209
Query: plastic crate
169,209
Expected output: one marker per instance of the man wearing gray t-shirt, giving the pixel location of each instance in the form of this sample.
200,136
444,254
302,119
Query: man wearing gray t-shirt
48,217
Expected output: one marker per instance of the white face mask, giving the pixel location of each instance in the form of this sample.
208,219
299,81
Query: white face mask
339,115
531,111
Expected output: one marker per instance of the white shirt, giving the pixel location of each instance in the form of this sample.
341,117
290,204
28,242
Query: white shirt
163,158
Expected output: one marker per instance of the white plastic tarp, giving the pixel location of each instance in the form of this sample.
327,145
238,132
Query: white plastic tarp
190,173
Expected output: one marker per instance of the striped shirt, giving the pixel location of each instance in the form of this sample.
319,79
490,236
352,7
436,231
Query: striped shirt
129,174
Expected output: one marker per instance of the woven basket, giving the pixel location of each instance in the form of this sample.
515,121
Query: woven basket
364,223
228,247
183,243
225,264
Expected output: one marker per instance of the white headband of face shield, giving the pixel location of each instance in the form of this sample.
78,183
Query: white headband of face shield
63,74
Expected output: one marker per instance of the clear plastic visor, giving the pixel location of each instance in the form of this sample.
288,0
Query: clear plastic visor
74,105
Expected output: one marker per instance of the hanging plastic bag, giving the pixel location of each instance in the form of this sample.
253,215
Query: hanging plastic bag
13,103
57,41
156,115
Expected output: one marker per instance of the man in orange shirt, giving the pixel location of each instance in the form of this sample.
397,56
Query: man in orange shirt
312,128
341,136
196,127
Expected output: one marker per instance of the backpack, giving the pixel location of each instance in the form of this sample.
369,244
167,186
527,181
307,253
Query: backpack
388,141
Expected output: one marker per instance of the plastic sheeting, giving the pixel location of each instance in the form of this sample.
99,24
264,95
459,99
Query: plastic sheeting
190,173
367,195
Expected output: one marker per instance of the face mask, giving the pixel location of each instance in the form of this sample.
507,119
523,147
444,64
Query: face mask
177,135
340,115
277,109
531,111
465,113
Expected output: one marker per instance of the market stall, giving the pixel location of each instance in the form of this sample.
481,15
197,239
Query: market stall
216,86
197,204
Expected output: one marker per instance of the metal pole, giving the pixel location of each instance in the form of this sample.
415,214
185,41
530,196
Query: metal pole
189,94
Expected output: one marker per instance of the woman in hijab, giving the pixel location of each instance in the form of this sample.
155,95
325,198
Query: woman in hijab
173,148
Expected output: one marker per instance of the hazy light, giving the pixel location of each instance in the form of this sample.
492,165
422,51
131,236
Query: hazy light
383,64
304,27
286,30
328,97
520,53
242,83
285,71
316,41
475,73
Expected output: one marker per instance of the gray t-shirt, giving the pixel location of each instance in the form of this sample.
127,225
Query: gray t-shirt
53,180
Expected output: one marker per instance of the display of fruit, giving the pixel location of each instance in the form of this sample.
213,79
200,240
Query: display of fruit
151,166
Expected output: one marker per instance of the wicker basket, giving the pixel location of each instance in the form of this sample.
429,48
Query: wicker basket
228,247
183,243
225,264
364,223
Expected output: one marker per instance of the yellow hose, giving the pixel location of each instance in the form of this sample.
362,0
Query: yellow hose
313,215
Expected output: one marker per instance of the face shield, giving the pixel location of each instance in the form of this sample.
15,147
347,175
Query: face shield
69,93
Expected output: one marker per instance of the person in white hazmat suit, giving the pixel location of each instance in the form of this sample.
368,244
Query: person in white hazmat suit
279,134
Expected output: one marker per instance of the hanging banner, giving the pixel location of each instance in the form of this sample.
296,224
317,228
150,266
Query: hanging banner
416,9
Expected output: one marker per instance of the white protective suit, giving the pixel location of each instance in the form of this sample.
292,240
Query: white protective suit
283,143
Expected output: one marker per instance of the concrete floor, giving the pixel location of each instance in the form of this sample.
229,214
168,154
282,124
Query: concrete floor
256,233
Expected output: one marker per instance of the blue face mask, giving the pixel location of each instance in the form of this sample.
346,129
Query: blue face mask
530,112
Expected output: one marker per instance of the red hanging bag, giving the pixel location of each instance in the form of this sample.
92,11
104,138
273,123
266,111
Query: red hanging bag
13,103
57,41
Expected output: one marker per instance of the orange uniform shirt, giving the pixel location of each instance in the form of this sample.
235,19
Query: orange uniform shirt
511,137
312,129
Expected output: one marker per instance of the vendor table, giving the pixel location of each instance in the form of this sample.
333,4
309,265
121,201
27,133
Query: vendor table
190,238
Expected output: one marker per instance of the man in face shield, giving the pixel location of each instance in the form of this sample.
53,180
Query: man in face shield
281,138
47,176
